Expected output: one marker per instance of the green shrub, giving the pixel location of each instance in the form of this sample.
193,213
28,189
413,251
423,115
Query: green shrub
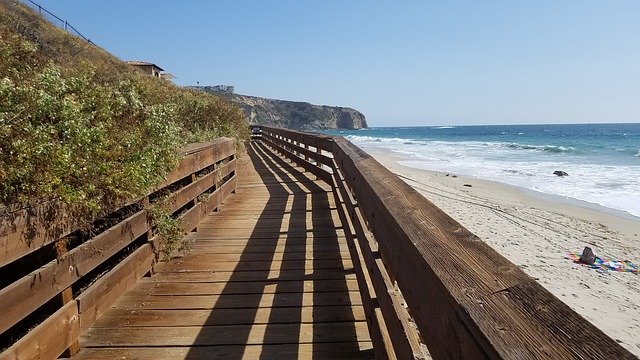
86,130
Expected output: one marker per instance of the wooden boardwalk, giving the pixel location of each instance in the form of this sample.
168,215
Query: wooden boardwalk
269,275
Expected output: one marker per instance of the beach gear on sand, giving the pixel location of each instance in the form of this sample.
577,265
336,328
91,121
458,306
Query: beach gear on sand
602,264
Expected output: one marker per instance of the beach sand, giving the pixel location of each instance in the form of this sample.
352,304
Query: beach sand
536,234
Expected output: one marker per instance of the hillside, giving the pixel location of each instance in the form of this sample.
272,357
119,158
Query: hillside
293,114
81,127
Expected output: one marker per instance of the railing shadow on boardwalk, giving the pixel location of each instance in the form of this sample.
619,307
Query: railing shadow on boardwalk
331,317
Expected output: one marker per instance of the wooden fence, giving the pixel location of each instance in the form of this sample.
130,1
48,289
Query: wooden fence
463,299
50,291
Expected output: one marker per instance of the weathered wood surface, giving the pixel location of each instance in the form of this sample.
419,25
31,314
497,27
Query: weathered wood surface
266,276
467,300
50,338
27,294
285,351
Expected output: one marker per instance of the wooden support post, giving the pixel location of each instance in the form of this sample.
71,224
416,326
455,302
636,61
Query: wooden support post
66,296
194,202
318,164
145,202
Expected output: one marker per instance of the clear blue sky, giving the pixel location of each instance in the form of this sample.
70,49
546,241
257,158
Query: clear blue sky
400,63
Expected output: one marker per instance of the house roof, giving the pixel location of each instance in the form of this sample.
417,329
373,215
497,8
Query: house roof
144,63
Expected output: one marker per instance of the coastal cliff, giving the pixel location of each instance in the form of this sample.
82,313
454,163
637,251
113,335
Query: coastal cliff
293,114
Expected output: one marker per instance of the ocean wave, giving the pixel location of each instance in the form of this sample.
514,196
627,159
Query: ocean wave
517,172
546,148
376,139
442,127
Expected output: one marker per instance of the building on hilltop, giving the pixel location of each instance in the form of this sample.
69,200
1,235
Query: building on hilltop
151,69
230,89
221,88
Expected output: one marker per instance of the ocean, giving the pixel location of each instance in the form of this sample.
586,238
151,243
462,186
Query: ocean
602,160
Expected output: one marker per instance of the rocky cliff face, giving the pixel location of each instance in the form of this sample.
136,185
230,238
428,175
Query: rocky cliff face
296,115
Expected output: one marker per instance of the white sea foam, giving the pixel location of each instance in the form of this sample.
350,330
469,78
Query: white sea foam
442,127
610,185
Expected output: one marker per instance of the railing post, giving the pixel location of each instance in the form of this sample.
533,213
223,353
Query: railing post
66,296
149,234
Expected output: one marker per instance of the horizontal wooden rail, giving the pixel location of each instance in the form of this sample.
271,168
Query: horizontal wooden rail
298,150
463,299
100,268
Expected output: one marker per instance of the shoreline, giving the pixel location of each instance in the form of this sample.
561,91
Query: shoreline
536,231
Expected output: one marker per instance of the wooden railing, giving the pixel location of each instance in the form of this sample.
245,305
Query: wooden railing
463,299
57,280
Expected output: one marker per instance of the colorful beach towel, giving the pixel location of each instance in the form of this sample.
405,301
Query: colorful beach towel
604,264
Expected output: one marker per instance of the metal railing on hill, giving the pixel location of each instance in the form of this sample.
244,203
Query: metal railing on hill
57,21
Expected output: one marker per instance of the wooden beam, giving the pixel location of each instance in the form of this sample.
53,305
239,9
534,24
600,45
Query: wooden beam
190,192
98,298
49,339
31,291
314,169
196,161
192,217
66,296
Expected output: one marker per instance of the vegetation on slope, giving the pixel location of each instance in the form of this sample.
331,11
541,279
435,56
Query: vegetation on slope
79,126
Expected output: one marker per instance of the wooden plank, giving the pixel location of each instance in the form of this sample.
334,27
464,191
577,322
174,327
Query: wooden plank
144,301
215,248
257,233
218,150
307,315
320,173
192,217
269,239
323,159
226,215
27,294
227,335
341,350
50,338
311,139
247,287
230,276
282,256
273,225
259,265
99,297
190,192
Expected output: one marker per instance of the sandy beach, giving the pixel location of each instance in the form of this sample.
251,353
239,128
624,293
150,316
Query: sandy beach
536,234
